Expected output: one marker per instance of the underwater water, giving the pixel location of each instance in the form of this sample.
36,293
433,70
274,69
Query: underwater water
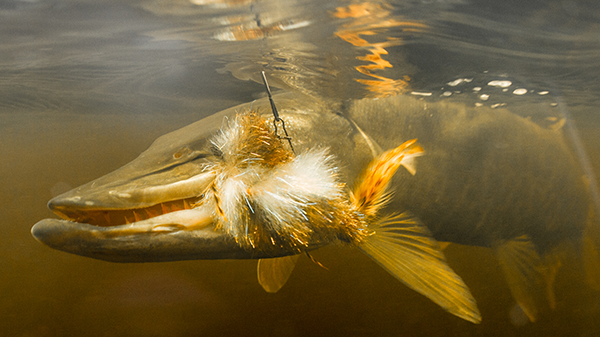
86,86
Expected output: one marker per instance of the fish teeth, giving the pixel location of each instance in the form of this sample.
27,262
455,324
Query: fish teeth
136,216
106,216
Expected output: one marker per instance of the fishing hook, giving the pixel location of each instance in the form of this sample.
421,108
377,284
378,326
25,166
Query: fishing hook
277,119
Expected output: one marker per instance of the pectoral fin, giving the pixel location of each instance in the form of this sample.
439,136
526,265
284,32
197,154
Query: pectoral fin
274,273
403,246
527,273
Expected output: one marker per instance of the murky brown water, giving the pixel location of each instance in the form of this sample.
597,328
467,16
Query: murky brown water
86,86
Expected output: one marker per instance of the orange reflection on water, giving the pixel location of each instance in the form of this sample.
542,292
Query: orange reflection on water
251,30
372,19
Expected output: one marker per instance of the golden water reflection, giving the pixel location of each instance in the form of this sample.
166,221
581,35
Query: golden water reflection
371,19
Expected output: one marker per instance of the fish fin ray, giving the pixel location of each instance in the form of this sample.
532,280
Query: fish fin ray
526,273
274,273
371,143
553,262
403,246
591,252
591,262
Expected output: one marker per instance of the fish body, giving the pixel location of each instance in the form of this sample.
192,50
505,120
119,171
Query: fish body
494,179
489,175
221,190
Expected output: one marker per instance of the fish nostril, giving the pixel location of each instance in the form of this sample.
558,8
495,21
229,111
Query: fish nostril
185,151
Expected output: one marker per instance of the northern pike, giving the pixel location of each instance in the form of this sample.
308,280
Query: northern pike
230,187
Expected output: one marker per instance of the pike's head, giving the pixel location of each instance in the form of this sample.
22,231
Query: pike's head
199,193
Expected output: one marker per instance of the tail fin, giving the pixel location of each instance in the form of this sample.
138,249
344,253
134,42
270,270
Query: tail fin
402,245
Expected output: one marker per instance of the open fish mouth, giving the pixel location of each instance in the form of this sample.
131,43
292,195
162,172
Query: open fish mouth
117,217
167,230
148,210
172,230
162,214
134,199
